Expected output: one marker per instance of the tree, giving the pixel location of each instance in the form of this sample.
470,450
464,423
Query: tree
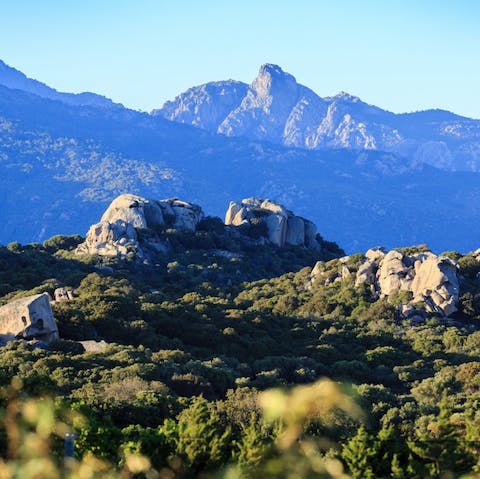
203,439
440,444
359,454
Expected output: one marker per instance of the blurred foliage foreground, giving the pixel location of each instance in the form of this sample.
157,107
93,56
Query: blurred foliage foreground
275,444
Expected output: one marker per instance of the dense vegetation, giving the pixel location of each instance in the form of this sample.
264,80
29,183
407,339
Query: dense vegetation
194,339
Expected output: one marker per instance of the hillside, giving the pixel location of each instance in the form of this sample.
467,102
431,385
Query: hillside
194,334
16,80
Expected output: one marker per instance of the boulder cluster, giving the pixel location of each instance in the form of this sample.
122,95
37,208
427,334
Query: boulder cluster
429,281
280,225
119,230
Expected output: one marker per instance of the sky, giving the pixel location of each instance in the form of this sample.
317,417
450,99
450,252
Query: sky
401,55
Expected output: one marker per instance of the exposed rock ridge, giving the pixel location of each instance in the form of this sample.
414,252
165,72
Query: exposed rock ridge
205,106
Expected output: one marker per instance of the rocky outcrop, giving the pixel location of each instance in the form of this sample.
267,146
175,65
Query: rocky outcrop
130,217
29,318
263,218
428,281
436,283
63,294
91,346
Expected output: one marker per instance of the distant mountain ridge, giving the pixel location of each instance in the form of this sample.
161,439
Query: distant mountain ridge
14,79
61,164
276,108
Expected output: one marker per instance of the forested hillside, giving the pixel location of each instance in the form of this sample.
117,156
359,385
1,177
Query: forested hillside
180,351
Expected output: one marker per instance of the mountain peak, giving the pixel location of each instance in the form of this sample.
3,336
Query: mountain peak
272,79
273,71
344,96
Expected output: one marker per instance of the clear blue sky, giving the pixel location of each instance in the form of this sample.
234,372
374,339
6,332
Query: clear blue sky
400,55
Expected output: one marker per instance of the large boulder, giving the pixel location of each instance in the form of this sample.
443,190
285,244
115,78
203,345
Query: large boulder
123,224
281,226
133,210
28,318
436,283
395,273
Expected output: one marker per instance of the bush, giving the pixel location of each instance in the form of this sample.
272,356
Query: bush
59,242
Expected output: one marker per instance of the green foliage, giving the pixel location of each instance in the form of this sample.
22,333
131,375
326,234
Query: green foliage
63,242
193,340
203,441
413,250
440,445
469,266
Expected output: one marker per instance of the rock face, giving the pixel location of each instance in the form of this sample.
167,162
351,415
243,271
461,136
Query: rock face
436,283
274,107
120,229
205,106
272,221
29,318
429,281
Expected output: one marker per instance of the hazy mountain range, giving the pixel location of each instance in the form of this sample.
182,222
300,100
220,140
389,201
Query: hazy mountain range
276,108
64,157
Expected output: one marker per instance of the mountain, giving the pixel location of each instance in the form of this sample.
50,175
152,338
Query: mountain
12,78
276,108
62,164
207,105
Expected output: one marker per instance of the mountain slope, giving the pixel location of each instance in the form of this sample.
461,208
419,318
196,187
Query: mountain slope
12,78
276,108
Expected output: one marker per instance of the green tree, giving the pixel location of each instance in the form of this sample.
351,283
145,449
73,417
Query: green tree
203,439
359,454
440,444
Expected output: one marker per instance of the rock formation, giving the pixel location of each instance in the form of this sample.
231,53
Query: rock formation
268,219
63,294
120,229
205,106
429,280
29,318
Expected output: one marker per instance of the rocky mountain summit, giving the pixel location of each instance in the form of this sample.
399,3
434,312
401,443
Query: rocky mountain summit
205,106
275,108
419,281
